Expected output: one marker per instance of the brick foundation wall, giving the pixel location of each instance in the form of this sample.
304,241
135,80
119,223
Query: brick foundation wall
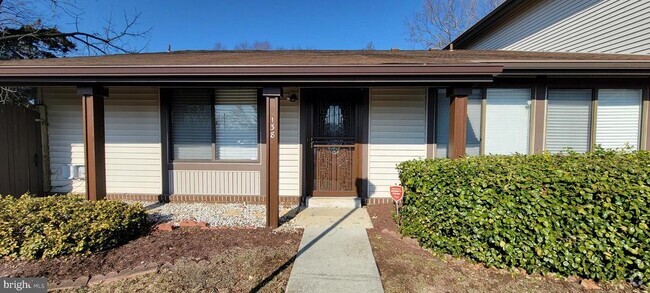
379,200
188,198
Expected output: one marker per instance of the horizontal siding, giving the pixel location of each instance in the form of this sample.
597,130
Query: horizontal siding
593,26
397,134
133,153
289,148
214,182
65,136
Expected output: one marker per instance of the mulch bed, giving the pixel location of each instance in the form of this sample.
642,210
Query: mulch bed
405,267
157,247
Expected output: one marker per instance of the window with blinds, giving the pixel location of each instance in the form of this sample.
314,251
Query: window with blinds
191,124
507,121
568,120
223,120
618,118
236,124
473,124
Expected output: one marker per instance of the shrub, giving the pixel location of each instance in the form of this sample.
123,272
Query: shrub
44,227
572,214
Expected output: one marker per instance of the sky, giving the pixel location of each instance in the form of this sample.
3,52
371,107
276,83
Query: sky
290,24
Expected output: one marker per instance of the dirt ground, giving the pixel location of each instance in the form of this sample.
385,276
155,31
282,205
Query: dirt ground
405,267
240,259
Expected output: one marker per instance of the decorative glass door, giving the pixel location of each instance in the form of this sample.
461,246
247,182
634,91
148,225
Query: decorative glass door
333,145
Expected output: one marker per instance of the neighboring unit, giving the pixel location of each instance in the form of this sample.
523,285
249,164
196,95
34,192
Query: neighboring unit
586,26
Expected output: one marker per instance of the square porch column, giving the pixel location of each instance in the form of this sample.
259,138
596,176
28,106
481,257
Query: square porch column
272,96
458,121
94,140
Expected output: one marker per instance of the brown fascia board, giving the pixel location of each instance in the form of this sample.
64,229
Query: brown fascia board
485,23
581,67
374,74
266,70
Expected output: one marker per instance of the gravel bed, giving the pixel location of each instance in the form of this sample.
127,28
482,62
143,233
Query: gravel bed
216,215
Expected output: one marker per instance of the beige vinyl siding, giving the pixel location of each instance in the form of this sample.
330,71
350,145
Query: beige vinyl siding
133,154
594,26
397,134
289,148
65,137
214,182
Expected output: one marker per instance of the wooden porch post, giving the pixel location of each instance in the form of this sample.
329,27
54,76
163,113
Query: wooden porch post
458,121
272,96
94,140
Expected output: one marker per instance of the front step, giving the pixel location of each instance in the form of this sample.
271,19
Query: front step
334,202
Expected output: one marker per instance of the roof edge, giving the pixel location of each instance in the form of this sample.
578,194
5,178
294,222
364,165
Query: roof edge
483,24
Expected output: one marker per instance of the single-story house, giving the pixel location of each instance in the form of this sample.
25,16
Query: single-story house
284,126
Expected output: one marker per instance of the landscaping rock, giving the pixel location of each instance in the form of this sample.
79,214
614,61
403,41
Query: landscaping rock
214,214
589,285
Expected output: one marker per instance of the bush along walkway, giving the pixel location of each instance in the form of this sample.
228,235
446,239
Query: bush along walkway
335,253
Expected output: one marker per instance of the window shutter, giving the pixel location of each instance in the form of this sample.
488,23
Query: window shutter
191,124
618,118
568,120
507,121
236,124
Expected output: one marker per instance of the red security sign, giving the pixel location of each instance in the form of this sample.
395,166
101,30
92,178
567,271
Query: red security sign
396,192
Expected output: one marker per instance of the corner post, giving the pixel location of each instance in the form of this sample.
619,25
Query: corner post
272,96
94,140
458,121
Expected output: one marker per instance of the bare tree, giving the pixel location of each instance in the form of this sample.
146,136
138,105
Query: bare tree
218,46
26,33
256,45
441,21
370,46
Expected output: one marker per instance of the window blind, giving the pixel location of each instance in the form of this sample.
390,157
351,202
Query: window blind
442,124
507,121
618,118
474,105
191,118
568,120
236,124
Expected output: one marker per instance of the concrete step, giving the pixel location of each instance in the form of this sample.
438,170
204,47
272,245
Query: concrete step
334,202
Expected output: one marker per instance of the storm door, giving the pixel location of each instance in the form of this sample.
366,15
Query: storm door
333,143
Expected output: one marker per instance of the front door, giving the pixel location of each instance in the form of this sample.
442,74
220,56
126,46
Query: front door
334,142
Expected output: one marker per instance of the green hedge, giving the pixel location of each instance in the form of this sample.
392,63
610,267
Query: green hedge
572,214
43,227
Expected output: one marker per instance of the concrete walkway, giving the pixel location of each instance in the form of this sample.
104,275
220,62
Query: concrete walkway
335,253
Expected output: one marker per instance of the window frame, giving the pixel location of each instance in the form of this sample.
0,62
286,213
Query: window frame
531,114
261,109
531,126
593,113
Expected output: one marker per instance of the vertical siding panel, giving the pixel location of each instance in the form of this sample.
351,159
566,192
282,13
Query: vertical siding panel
209,182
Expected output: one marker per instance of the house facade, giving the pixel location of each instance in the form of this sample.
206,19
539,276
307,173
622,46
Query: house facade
283,126
587,26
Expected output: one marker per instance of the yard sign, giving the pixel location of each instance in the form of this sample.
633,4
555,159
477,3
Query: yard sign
397,193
